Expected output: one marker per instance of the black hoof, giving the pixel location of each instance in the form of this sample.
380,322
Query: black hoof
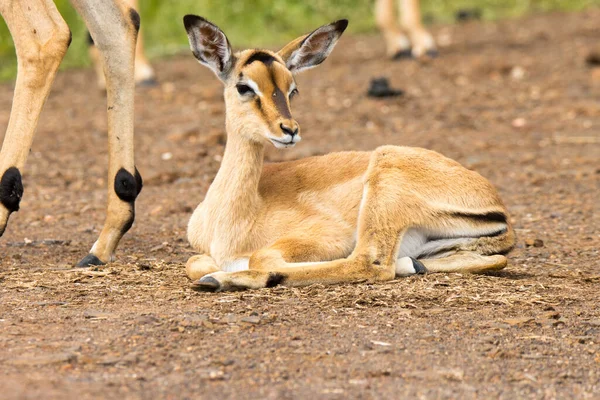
418,266
206,284
380,87
89,261
147,83
405,54
432,53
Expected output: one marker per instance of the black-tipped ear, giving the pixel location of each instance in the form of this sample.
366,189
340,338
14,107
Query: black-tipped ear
209,45
311,50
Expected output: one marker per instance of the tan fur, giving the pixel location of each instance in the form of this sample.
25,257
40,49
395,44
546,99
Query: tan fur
336,218
144,73
41,39
410,36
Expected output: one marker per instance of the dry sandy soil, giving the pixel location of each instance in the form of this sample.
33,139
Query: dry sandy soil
513,100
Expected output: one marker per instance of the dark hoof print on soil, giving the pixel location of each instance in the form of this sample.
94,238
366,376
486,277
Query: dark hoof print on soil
467,14
206,284
403,55
89,260
147,83
593,60
380,87
418,266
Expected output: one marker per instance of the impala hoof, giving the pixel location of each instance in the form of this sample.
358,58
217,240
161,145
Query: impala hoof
420,269
408,266
89,261
403,55
206,284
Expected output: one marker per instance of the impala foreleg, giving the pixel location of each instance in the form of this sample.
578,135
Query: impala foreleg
41,39
199,266
397,43
422,41
114,27
285,254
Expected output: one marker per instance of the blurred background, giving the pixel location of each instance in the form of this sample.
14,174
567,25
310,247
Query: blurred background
269,22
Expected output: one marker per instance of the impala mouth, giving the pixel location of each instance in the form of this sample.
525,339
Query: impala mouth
280,144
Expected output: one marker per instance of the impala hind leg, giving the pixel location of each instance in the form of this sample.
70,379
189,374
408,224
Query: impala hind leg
464,261
421,40
396,41
114,27
144,73
41,39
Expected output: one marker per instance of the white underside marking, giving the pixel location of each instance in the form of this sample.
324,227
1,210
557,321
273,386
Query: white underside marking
415,242
405,267
240,264
412,243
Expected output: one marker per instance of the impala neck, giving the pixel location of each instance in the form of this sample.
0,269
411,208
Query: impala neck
236,183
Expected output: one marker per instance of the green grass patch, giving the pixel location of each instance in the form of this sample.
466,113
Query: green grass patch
267,22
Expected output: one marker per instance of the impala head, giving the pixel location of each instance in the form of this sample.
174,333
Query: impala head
259,84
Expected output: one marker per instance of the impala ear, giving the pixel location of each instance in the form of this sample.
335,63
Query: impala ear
209,45
311,50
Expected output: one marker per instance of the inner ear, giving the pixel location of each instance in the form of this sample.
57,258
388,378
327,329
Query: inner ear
209,45
311,50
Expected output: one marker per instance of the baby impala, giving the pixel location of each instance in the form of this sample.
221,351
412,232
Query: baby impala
341,217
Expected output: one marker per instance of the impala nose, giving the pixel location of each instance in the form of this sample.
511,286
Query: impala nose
292,131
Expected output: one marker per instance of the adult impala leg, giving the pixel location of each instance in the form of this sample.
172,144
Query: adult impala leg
396,41
422,41
41,39
114,27
144,73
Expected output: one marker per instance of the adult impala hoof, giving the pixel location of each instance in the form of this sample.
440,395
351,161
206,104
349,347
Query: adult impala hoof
206,284
90,260
403,55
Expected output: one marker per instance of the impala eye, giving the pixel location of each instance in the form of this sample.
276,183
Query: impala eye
244,89
293,93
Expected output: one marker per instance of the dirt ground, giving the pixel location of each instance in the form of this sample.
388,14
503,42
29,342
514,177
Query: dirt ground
513,100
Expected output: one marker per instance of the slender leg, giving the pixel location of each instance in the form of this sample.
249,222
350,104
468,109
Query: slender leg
397,43
41,39
422,41
114,26
144,74
200,265
463,261
283,254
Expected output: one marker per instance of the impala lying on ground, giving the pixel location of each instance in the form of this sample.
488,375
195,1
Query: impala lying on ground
41,39
342,217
